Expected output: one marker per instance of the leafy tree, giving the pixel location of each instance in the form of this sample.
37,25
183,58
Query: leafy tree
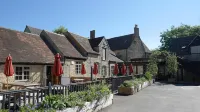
60,30
177,32
170,59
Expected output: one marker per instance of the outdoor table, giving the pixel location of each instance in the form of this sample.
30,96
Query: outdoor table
78,80
21,85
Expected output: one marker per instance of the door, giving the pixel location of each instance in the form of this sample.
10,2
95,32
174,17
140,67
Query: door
49,74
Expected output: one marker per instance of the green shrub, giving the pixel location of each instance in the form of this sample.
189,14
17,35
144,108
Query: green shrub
148,75
60,102
135,84
127,83
143,79
4,110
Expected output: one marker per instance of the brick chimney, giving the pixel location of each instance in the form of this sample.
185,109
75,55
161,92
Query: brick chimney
92,34
136,31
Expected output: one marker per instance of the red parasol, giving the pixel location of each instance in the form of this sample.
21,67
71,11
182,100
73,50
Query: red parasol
130,68
57,67
83,71
8,68
95,69
123,69
116,70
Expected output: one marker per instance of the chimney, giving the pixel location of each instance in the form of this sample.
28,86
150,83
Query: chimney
136,31
92,34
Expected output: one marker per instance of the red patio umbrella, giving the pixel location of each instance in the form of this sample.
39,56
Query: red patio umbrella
123,69
130,69
57,67
83,71
95,69
8,68
116,70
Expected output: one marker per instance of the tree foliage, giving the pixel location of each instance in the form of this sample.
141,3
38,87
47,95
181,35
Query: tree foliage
157,56
177,32
60,30
172,64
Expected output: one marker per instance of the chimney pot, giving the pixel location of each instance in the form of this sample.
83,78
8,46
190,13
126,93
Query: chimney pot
136,26
92,34
136,31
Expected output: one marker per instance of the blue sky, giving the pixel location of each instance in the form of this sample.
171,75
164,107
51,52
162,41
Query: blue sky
109,18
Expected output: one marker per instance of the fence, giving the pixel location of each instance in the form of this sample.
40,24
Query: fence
12,100
117,81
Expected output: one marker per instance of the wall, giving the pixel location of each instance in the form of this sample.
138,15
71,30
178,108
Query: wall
90,62
36,74
121,54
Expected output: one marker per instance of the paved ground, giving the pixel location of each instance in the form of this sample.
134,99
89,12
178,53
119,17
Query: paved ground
159,98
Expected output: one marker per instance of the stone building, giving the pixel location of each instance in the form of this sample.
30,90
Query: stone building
30,56
130,48
76,49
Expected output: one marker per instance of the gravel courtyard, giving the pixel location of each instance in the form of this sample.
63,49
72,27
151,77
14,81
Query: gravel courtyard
159,98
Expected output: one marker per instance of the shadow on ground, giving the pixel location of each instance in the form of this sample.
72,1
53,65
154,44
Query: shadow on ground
162,83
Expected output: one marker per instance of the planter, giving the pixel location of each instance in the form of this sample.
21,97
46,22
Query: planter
92,106
139,87
126,90
145,84
151,82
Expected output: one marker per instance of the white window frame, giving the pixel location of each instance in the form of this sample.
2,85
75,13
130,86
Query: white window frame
78,67
104,71
112,69
22,72
103,54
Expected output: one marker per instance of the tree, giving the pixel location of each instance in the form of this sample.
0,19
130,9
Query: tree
177,32
170,59
60,30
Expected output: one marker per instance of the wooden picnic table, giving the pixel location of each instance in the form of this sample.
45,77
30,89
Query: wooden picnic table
78,80
19,85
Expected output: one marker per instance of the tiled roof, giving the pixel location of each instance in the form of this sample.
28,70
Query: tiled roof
84,42
64,45
33,30
23,47
180,45
95,41
121,42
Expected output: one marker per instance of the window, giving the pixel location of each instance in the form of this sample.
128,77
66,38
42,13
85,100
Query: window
127,70
112,70
78,68
104,71
22,73
104,54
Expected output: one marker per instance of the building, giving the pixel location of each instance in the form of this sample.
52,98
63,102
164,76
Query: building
30,56
187,50
130,48
76,49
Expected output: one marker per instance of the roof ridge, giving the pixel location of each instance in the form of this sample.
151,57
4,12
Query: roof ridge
54,33
121,36
78,35
18,31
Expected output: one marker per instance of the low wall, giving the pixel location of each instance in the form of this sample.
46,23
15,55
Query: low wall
92,106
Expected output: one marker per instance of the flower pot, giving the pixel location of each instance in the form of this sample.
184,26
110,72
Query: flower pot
126,90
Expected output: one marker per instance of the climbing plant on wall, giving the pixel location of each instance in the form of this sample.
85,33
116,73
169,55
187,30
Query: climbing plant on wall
172,64
169,59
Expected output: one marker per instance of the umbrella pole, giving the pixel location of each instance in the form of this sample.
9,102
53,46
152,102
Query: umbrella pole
7,82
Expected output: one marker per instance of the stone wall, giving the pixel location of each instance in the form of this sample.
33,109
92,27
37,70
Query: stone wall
36,74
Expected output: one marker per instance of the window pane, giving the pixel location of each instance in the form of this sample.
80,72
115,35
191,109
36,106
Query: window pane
26,68
20,78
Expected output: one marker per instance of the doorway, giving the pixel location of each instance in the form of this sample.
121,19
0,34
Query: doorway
49,75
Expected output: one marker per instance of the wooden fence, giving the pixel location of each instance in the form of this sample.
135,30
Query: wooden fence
13,99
